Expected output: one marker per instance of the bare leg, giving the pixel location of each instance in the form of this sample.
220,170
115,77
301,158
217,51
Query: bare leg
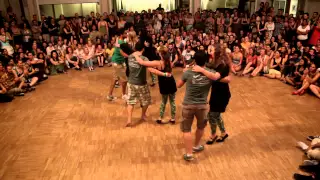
99,61
278,76
237,68
130,110
21,85
113,83
289,80
143,113
102,60
199,134
188,142
247,69
315,89
271,76
124,87
34,80
256,71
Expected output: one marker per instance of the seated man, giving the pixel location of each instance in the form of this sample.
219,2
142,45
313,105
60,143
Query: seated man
11,83
187,56
38,65
175,59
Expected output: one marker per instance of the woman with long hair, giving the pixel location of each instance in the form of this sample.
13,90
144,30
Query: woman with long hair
220,93
88,59
167,87
275,67
72,60
57,64
312,77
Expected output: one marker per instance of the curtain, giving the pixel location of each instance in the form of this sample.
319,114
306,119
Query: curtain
139,5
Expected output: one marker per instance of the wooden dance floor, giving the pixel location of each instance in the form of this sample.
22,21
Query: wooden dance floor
67,129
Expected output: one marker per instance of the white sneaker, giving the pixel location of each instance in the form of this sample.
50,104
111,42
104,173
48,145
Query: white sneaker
125,97
302,145
111,98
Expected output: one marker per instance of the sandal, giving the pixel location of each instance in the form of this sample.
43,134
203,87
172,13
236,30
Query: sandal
221,139
172,121
128,125
211,141
302,92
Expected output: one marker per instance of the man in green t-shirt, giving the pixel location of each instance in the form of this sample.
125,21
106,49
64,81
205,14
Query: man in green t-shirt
119,66
138,88
195,104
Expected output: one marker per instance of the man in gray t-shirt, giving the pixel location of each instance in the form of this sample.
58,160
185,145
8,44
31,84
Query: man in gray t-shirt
138,73
195,104
137,81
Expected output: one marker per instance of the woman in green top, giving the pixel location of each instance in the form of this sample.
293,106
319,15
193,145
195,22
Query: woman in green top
103,27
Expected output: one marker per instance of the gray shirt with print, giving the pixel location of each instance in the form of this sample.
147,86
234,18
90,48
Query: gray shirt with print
198,86
138,73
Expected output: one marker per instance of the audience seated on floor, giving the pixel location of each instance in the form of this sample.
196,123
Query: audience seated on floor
274,45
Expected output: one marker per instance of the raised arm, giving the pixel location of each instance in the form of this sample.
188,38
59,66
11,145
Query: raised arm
147,63
211,75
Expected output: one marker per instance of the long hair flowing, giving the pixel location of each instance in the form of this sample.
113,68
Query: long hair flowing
132,39
220,56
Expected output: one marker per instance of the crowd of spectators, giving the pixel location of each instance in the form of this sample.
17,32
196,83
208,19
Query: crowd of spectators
266,43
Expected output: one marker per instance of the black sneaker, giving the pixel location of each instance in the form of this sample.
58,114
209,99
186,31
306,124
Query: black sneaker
310,138
297,176
20,94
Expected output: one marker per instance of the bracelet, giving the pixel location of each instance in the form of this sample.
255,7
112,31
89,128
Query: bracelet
165,74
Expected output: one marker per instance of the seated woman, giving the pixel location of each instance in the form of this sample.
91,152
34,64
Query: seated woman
276,65
251,62
236,60
262,64
311,78
30,76
87,57
100,55
72,61
57,64
296,77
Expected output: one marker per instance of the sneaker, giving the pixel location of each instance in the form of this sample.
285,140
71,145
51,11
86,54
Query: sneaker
310,162
310,138
302,145
111,98
117,85
198,149
188,157
297,176
20,94
125,97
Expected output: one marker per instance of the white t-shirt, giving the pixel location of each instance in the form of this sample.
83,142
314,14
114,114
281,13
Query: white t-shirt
188,56
303,37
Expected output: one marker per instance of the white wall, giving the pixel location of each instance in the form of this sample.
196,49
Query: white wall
67,1
312,6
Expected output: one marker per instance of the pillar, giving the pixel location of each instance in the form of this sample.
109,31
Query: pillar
194,5
106,6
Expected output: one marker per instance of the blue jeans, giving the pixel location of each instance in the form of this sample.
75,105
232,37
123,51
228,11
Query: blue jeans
89,63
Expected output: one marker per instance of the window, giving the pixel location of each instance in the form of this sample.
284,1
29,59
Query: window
68,10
